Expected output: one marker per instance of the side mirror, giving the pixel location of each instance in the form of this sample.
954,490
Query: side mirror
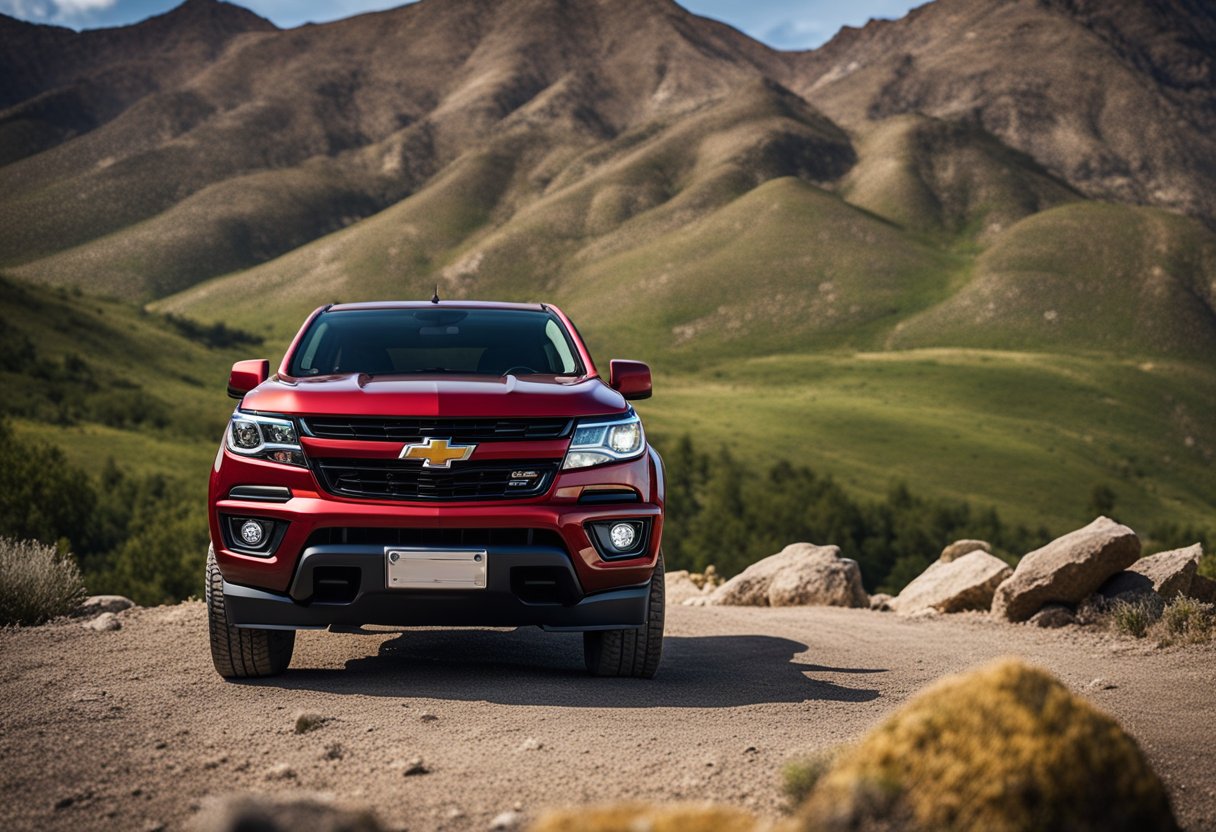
247,375
630,378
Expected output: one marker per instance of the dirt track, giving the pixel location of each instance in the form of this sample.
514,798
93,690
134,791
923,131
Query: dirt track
132,729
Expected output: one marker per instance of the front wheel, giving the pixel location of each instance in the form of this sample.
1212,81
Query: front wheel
241,652
634,652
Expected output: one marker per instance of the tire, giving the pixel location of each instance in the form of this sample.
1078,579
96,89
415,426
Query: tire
240,652
634,652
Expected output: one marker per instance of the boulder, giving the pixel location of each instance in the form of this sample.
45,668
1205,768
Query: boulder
801,574
1067,570
881,602
1053,616
104,623
964,547
1167,574
954,586
1203,589
680,587
95,605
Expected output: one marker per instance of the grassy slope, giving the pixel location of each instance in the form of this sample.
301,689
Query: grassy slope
128,365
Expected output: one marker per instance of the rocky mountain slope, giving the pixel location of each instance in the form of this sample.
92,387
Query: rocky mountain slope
928,233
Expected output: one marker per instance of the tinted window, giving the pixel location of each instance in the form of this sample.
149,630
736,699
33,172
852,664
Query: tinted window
418,341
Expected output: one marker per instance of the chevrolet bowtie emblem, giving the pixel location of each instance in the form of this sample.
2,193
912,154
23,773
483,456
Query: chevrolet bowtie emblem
437,453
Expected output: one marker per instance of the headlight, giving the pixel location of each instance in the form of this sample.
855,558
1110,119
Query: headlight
266,437
600,441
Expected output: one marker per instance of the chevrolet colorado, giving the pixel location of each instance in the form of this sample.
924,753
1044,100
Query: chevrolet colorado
436,463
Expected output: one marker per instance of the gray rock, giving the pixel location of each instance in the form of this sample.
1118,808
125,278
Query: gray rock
1067,570
105,622
881,602
239,813
967,583
95,605
1053,616
801,574
1167,574
964,547
280,771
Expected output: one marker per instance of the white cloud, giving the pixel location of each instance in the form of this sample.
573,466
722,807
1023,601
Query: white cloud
55,11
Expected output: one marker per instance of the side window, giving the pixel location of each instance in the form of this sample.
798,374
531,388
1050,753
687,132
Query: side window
308,361
561,346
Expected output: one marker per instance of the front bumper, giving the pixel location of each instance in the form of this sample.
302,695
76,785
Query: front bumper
506,601
266,590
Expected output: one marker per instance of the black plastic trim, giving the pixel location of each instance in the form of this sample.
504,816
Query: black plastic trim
260,493
598,531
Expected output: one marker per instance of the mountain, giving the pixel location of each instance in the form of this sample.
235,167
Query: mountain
973,247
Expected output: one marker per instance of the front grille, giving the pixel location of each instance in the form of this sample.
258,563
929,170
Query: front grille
457,430
440,538
397,480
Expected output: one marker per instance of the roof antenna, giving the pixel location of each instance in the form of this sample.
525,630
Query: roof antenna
435,297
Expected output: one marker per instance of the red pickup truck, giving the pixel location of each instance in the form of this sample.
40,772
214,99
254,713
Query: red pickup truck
444,463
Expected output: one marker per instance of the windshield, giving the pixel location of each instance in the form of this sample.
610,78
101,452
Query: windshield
419,341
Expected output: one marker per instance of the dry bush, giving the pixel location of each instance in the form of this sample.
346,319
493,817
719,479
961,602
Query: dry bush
631,817
36,582
1005,748
1188,620
799,777
1133,618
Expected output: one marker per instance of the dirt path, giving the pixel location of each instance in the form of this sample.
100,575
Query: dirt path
132,729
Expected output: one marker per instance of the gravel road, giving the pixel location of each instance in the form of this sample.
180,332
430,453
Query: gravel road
132,729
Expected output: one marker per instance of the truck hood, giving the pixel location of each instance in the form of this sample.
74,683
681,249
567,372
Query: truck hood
443,396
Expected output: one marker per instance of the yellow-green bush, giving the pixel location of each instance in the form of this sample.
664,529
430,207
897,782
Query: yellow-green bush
1005,748
632,817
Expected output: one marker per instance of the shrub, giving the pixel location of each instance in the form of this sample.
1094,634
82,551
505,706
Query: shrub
1189,619
1005,747
672,817
37,583
799,777
1133,618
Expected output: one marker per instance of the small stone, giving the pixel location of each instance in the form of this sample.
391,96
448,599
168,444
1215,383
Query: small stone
97,604
215,762
1101,684
427,716
531,744
414,766
154,826
306,721
454,813
104,623
751,749
506,821
281,771
334,751
1053,616
160,745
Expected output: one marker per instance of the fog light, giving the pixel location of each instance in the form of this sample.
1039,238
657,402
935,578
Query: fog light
623,535
252,533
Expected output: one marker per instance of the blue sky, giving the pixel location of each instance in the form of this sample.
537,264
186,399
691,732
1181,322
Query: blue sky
785,24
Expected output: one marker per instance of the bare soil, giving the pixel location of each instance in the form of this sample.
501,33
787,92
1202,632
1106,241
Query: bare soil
133,729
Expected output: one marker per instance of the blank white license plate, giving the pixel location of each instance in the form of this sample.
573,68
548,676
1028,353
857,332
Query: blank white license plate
412,569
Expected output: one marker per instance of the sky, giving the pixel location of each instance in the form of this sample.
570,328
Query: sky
784,24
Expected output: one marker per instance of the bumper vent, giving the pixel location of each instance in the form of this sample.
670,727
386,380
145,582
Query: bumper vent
457,430
377,479
441,538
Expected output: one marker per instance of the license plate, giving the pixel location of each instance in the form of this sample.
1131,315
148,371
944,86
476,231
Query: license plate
413,569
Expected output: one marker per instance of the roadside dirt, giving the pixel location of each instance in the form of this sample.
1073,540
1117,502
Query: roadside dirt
133,730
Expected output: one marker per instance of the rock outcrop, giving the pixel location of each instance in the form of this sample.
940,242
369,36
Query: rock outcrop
1167,574
801,574
964,547
967,583
1067,570
95,605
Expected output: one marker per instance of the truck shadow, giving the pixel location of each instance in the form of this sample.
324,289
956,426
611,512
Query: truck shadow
528,667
